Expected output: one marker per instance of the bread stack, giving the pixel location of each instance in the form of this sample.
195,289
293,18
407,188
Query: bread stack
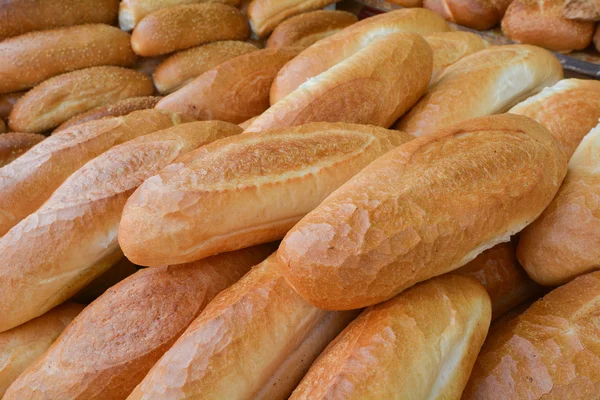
291,203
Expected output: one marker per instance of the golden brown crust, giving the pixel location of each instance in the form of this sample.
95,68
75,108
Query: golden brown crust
583,10
244,190
233,91
36,56
305,29
542,23
476,14
550,352
255,340
487,82
13,144
421,344
407,3
183,67
57,99
423,209
449,47
7,102
184,26
111,345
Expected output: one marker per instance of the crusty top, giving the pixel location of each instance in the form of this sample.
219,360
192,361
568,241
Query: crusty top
449,47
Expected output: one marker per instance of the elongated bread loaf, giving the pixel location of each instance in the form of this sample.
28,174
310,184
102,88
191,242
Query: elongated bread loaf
449,47
305,29
421,344
244,190
56,100
476,14
183,67
116,109
54,252
121,270
488,82
114,342
549,352
233,91
255,340
13,144
180,27
569,110
564,242
7,102
31,58
426,208
27,182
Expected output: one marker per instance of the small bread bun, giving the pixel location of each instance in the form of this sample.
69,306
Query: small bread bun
13,144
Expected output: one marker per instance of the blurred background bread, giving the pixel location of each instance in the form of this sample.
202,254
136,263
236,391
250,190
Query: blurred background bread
476,14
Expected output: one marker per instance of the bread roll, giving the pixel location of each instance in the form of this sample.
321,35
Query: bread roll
542,23
34,57
426,208
585,10
180,27
133,11
56,251
305,29
421,344
116,109
197,208
449,47
476,14
13,144
21,346
56,100
7,101
502,277
113,343
255,340
181,68
569,110
233,91
340,48
549,352
27,182
488,82
121,270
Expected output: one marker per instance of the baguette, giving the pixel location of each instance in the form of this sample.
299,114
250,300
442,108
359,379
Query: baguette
56,100
131,12
306,29
34,57
22,16
421,344
255,340
121,270
583,10
21,346
114,342
549,352
569,110
116,109
198,208
13,144
426,208
27,182
449,47
181,68
72,239
490,81
233,91
563,242
475,14
184,26
7,102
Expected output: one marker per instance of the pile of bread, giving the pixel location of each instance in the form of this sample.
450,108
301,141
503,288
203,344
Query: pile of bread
338,215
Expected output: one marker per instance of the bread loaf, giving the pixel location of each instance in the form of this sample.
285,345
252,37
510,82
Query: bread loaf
476,14
26,183
180,27
233,91
13,144
488,82
549,352
56,100
425,208
56,251
113,343
21,346
255,340
7,101
181,68
121,270
133,11
244,190
421,344
569,110
584,10
449,47
34,57
116,109
305,29
21,16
